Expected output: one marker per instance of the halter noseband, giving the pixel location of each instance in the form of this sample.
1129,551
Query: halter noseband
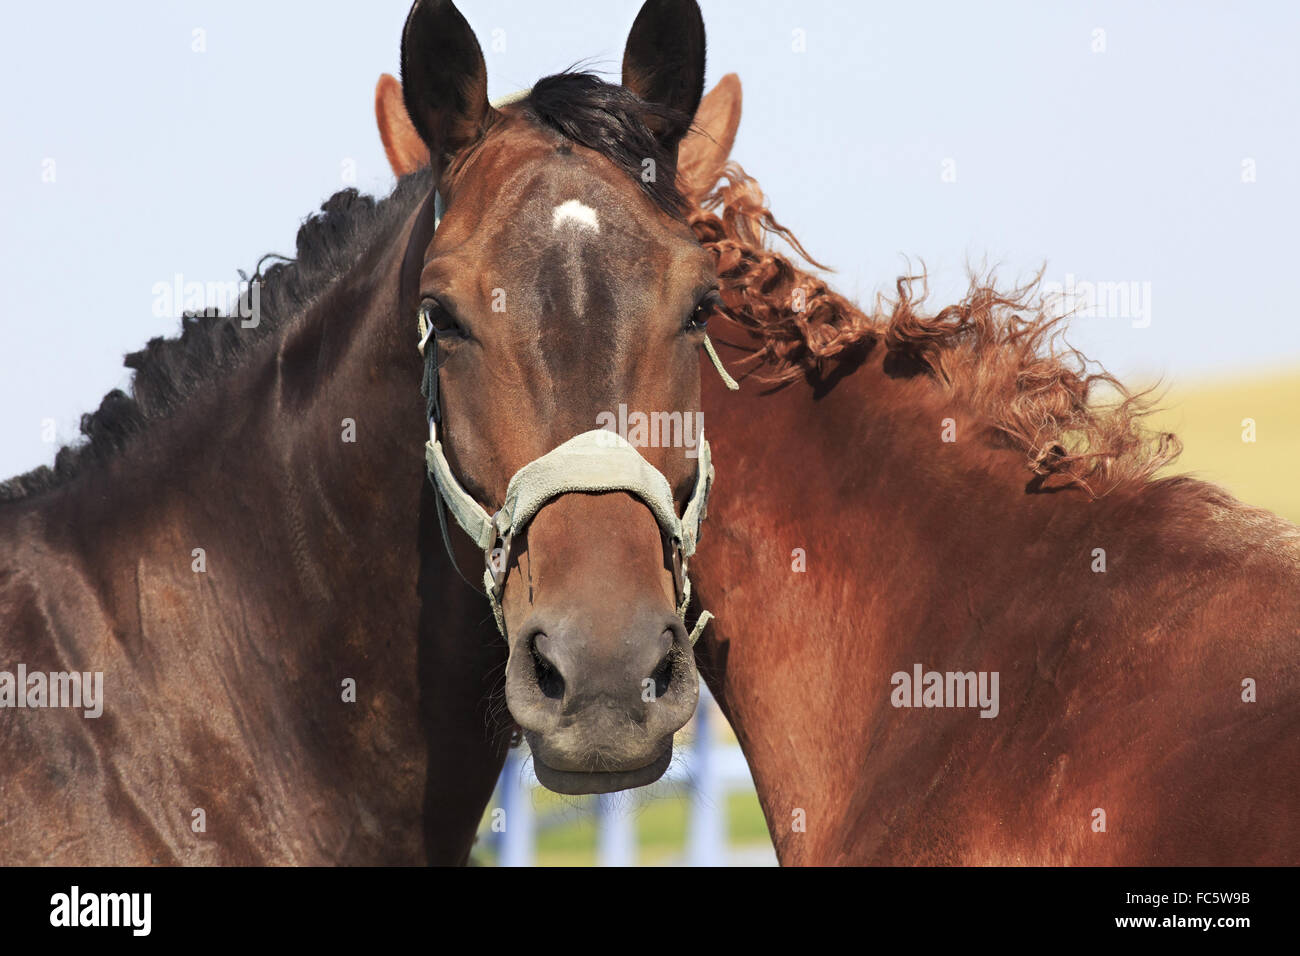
595,461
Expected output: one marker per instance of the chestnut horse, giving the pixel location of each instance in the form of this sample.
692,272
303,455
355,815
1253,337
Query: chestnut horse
291,671
989,518
1142,630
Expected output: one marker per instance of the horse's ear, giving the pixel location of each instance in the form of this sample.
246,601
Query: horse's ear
664,62
707,146
444,80
402,144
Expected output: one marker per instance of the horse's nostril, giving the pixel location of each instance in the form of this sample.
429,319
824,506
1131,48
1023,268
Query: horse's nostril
549,680
663,674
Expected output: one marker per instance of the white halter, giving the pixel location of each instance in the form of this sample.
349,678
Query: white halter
595,461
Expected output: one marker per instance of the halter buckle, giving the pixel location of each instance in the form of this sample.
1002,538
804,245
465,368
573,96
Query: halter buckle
679,569
426,332
499,573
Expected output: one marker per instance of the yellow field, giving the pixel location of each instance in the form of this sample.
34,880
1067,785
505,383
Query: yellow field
1208,418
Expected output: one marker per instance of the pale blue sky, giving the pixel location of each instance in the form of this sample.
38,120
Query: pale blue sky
1116,166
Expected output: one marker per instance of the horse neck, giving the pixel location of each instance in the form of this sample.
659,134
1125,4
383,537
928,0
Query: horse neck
883,546
301,477
1121,629
248,521
296,458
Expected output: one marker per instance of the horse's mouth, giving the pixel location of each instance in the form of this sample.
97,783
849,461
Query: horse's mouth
577,782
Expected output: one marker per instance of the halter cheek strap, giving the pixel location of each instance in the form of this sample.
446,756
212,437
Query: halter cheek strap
595,461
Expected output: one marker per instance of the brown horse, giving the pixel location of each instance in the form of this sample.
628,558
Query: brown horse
962,508
232,547
267,697
942,495
562,286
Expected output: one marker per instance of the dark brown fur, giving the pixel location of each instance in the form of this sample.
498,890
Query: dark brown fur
223,688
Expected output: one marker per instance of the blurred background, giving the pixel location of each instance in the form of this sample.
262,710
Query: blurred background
1143,155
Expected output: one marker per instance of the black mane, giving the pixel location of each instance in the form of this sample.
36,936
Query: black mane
580,106
614,122
169,370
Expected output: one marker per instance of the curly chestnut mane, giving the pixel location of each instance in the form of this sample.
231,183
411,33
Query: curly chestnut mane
1000,351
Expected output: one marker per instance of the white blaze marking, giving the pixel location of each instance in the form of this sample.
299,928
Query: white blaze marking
575,212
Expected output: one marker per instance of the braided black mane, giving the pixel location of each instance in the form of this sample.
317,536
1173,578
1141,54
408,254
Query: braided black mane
169,370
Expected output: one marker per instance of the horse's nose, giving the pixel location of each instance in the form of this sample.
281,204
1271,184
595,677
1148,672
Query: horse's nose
638,677
639,670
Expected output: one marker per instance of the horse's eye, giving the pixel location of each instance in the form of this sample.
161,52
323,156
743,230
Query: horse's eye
699,318
439,318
